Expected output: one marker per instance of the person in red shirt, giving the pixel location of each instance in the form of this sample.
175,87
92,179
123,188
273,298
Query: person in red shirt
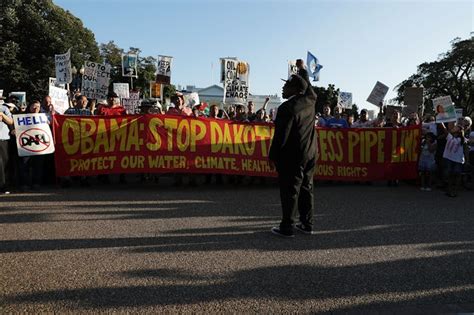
113,106
179,107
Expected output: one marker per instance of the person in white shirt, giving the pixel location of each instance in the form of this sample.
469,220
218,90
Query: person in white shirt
453,157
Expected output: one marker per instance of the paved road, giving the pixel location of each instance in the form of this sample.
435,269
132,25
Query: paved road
147,248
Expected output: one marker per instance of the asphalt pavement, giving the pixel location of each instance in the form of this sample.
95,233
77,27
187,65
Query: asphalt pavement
156,248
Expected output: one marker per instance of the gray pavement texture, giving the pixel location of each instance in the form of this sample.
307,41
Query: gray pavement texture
143,248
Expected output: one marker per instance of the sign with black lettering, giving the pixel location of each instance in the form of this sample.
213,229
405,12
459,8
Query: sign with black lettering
236,81
63,68
33,135
95,81
163,71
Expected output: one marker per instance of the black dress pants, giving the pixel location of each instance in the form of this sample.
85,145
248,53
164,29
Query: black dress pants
296,193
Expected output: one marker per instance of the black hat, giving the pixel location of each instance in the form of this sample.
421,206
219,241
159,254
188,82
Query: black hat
298,82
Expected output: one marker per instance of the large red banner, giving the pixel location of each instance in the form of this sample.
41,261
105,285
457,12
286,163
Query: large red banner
90,145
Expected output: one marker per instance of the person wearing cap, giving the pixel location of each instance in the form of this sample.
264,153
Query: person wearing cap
6,122
113,106
293,152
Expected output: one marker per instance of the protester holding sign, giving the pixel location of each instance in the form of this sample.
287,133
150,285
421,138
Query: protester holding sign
6,122
453,156
293,150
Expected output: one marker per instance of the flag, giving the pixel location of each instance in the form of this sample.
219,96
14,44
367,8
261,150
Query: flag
313,66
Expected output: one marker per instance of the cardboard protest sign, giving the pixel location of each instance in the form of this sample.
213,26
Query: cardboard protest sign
378,94
122,90
59,99
444,109
130,65
54,82
344,99
292,69
236,83
163,71
20,95
95,81
63,68
156,90
132,103
33,135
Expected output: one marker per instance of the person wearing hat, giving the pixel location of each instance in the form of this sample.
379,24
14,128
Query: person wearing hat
293,151
113,106
6,122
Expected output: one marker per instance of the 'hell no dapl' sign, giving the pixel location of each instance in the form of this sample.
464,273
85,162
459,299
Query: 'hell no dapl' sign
33,135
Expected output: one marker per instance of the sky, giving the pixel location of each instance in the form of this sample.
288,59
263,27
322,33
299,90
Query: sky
357,42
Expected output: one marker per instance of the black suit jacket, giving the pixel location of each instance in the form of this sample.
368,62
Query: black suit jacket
294,141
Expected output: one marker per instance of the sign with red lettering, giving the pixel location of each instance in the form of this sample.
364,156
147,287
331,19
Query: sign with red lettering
33,135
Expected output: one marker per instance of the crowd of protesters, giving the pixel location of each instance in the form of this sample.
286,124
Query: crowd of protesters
446,153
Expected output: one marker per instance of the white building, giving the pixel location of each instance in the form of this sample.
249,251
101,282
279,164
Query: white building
214,94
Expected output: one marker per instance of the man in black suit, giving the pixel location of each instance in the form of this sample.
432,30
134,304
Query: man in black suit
293,151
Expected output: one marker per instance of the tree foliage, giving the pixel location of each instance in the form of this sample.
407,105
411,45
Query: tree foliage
452,74
31,33
326,96
112,54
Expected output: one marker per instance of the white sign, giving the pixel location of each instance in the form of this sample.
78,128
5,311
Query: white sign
236,81
122,90
59,99
53,82
444,109
344,99
292,69
63,68
163,71
95,81
20,95
132,103
459,113
33,135
378,94
191,99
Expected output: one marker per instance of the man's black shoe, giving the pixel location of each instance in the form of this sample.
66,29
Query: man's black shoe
279,232
304,228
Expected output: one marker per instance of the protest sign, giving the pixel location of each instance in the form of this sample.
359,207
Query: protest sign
130,65
292,69
378,93
33,134
236,83
163,71
59,99
459,113
63,68
156,90
174,144
344,99
191,99
122,90
20,95
132,103
444,109
413,99
1,97
54,82
95,81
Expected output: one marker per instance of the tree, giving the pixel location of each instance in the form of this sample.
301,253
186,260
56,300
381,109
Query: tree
452,74
112,54
31,33
326,96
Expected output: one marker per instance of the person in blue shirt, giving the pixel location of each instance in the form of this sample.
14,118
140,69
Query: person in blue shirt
337,121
